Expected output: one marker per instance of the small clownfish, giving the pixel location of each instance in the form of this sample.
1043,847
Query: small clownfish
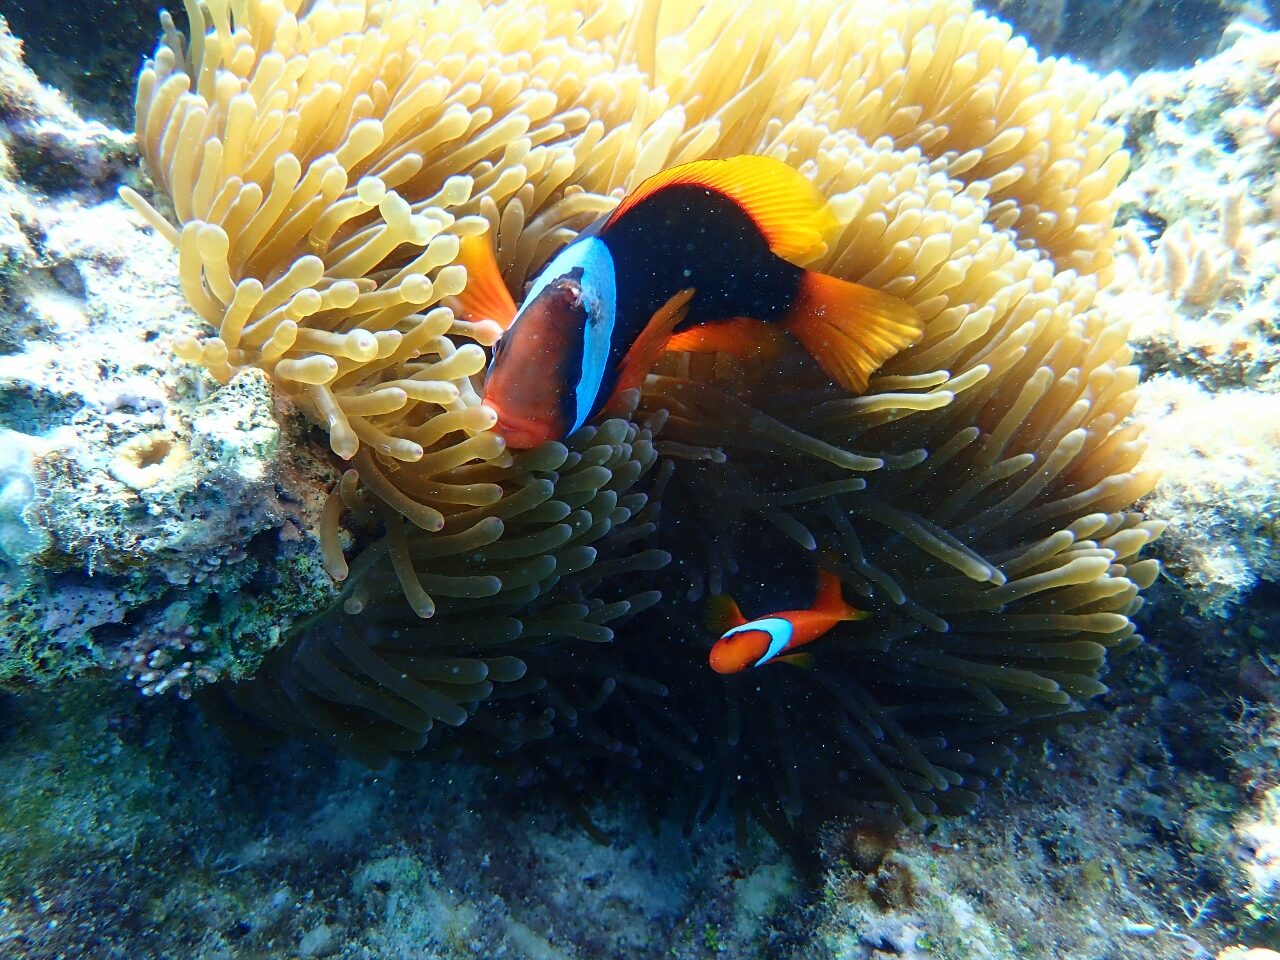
696,259
747,643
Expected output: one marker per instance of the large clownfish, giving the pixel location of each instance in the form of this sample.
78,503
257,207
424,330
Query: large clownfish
698,259
747,643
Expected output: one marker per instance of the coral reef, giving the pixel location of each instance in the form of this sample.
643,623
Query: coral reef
1202,298
163,524
132,489
128,832
1216,245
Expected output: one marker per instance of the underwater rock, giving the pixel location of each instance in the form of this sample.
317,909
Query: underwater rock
138,832
1072,867
47,142
19,540
131,486
1128,35
88,49
135,481
1219,487
1259,843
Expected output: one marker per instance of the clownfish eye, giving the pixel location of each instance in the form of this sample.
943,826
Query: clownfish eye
496,350
571,285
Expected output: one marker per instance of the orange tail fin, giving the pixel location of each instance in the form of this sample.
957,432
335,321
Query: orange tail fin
486,296
831,600
851,330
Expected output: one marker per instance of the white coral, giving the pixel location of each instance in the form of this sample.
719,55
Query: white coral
1220,487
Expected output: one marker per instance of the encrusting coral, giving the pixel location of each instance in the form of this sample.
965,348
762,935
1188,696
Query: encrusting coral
323,161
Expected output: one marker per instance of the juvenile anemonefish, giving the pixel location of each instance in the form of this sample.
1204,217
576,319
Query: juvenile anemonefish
697,258
747,643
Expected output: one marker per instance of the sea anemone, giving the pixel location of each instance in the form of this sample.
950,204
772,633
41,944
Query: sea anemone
324,159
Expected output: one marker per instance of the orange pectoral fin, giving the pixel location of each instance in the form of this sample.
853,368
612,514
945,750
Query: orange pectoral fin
851,330
802,660
486,296
740,336
639,360
787,208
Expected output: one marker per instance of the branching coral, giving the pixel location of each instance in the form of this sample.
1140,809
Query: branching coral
1195,271
324,159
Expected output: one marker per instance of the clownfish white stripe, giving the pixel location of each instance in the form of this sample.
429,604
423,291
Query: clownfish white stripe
599,300
599,297
780,632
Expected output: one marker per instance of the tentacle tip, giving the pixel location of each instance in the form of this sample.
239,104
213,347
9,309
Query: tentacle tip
487,332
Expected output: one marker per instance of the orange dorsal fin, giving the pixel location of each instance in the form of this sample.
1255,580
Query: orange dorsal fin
486,296
851,330
722,614
830,599
789,210
639,360
740,336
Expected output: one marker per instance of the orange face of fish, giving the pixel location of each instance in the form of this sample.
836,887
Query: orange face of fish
738,650
530,374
